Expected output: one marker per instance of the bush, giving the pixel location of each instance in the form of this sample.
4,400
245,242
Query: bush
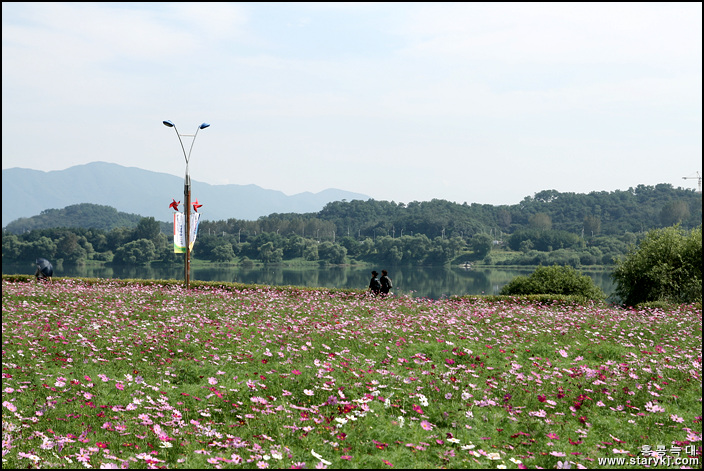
666,266
555,280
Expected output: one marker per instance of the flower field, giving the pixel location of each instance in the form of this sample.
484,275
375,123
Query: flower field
117,374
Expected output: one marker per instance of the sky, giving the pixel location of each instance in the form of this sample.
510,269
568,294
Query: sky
468,102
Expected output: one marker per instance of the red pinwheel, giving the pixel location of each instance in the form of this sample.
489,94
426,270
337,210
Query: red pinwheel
196,205
174,204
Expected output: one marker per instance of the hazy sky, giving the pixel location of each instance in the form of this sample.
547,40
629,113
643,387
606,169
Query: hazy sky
468,102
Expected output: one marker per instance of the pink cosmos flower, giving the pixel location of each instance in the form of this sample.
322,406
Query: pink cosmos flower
83,456
120,386
426,425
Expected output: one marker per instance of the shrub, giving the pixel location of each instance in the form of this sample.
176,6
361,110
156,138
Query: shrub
665,266
555,280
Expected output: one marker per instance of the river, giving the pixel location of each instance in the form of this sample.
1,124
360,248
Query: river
430,282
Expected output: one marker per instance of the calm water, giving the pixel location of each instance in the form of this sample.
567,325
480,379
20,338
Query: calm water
418,281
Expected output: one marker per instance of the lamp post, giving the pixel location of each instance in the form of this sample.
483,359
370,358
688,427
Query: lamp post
187,195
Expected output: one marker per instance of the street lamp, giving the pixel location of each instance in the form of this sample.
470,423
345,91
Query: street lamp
187,194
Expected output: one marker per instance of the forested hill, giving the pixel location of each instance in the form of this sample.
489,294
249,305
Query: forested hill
609,213
85,215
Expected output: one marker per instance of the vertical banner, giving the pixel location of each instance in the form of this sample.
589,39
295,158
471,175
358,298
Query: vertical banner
180,231
195,218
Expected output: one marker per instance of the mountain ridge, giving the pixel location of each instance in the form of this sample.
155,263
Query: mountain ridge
28,192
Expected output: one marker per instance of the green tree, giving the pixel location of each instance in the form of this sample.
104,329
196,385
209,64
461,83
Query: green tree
310,252
541,221
674,212
555,280
117,237
269,254
592,225
503,219
69,249
12,248
665,266
147,228
332,253
137,252
481,245
223,253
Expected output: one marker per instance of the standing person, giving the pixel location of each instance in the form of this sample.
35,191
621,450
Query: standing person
385,281
374,284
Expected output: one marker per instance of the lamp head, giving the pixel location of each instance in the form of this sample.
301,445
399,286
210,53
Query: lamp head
203,126
168,123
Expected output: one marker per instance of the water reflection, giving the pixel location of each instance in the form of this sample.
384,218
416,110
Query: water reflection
428,282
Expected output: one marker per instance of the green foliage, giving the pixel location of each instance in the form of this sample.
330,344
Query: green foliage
147,228
84,215
269,254
555,280
332,253
72,249
674,212
223,253
137,252
665,266
531,299
550,228
540,221
481,245
543,240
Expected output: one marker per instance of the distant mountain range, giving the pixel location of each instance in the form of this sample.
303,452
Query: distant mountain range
27,192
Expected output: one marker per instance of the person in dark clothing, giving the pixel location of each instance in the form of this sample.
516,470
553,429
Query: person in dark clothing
44,269
385,281
374,284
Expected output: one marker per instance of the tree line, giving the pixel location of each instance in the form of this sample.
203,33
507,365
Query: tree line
551,227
